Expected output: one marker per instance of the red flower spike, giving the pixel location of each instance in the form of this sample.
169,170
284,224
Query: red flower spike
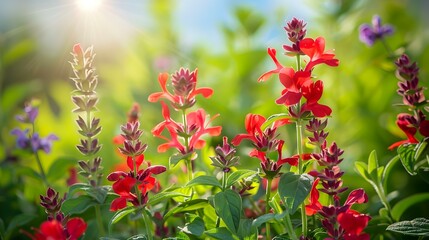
314,205
315,49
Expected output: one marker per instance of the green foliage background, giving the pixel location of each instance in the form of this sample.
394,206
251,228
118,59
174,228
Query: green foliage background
361,91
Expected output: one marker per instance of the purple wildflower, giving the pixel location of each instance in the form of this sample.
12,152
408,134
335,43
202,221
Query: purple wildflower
34,142
369,34
30,115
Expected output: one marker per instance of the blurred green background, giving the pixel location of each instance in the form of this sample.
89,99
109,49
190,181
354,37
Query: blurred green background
227,42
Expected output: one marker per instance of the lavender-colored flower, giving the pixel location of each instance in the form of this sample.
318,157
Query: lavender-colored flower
34,142
22,140
369,34
30,115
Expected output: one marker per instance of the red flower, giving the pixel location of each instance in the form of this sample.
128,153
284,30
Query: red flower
314,205
197,125
353,224
293,83
184,83
54,230
262,140
313,92
265,76
409,130
315,49
125,182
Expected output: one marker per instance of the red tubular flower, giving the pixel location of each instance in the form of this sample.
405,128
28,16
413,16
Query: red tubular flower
353,224
315,49
197,125
409,130
184,83
313,92
265,76
314,206
293,83
262,140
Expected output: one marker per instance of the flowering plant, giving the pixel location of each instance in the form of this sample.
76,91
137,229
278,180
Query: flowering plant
206,191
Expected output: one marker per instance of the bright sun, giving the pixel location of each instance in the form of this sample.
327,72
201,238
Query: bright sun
89,5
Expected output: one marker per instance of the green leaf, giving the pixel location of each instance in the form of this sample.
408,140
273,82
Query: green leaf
246,230
361,168
187,206
59,167
77,205
424,174
266,218
373,166
228,207
194,225
238,175
220,233
175,159
29,172
76,188
204,180
121,214
421,149
294,189
18,221
407,153
99,194
179,236
404,204
388,169
157,198
415,227
273,118
138,237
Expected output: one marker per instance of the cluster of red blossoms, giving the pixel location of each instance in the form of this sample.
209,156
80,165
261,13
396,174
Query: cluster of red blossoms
58,226
184,136
133,185
413,97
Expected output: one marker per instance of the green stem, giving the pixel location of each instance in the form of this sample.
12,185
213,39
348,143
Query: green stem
289,227
100,225
298,62
267,207
299,142
146,219
42,172
388,49
224,177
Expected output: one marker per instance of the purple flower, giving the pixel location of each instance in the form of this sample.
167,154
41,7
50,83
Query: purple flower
30,115
34,142
369,34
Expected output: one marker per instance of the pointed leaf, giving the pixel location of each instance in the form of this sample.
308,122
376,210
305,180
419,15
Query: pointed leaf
361,168
373,166
194,225
77,205
59,168
228,207
157,198
407,153
18,221
121,214
415,227
187,206
266,218
294,189
138,237
273,118
238,175
204,180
